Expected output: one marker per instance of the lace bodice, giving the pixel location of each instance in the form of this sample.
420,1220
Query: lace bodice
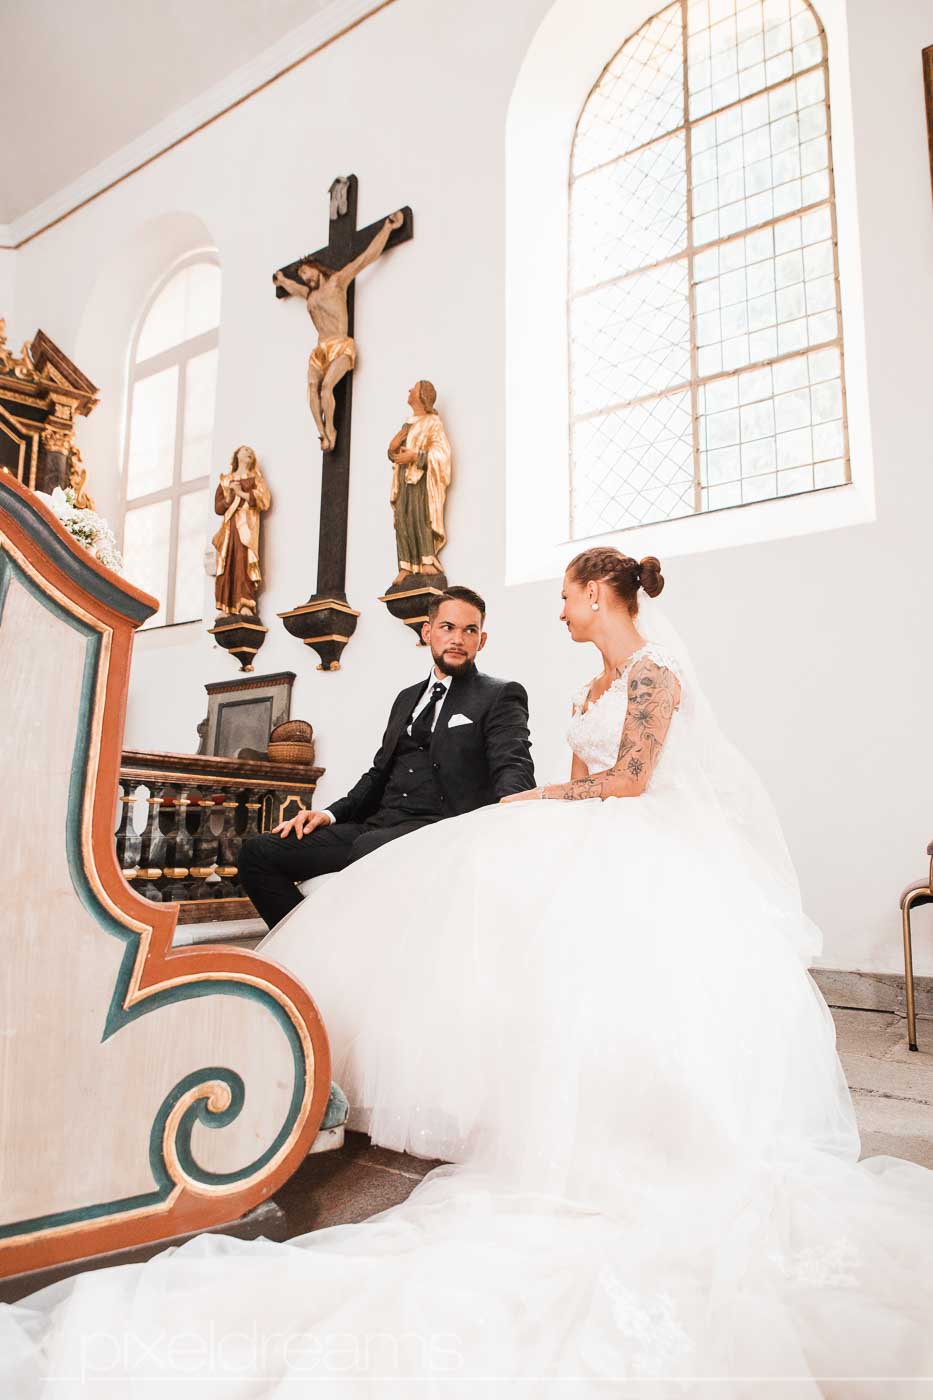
594,732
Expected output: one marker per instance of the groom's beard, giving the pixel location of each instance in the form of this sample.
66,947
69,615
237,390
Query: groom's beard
450,664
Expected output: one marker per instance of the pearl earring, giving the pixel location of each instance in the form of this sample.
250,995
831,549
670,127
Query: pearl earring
595,607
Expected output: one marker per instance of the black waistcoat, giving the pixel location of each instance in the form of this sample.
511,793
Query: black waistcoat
411,792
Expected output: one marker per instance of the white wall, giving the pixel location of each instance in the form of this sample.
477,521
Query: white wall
813,647
8,293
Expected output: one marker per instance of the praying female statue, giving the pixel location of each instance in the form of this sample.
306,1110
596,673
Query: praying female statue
241,497
420,457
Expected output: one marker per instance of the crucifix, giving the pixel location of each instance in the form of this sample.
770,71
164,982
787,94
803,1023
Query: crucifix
325,280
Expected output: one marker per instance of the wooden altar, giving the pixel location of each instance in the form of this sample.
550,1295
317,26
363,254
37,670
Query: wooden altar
41,395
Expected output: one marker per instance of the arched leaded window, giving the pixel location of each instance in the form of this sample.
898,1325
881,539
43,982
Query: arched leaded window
706,364
170,422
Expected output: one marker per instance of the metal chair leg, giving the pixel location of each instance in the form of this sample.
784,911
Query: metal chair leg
909,980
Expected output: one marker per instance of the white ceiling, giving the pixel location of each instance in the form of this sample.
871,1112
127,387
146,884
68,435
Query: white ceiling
80,81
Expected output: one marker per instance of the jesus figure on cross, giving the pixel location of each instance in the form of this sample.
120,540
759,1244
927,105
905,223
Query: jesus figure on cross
325,292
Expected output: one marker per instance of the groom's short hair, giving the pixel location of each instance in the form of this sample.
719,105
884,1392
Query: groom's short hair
456,594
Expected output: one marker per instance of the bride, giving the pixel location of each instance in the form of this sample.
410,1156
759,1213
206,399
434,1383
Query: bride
593,1000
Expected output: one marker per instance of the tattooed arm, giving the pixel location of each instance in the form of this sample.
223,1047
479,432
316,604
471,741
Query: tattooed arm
653,696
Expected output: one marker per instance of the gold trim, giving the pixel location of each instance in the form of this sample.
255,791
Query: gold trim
319,607
290,67
272,679
331,637
17,442
410,593
236,626
221,899
25,425
146,775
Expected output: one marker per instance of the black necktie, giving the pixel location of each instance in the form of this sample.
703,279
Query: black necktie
422,726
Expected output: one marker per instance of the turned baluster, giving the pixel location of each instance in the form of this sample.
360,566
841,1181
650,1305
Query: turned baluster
175,870
127,837
205,853
162,846
228,842
150,845
248,814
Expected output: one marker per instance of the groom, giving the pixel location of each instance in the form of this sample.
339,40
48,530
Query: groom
453,743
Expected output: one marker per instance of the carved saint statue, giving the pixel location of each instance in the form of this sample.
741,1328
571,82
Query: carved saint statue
325,292
241,497
420,457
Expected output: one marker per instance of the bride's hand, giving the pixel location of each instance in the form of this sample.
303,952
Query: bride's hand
532,795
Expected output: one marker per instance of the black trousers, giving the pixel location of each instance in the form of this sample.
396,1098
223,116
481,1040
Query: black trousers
270,865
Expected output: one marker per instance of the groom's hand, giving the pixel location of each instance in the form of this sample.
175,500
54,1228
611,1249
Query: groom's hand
532,795
303,824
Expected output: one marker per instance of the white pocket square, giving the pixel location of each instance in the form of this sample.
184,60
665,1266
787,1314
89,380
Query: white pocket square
458,719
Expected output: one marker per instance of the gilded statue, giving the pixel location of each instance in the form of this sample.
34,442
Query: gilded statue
77,479
241,497
325,293
420,457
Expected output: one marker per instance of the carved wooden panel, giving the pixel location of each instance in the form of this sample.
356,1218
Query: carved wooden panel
144,1091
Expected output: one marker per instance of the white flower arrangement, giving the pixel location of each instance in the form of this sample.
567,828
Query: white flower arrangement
86,526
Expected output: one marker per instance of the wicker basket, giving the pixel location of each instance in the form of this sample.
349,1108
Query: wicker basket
292,731
291,753
292,742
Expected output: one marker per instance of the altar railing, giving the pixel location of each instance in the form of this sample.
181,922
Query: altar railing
182,819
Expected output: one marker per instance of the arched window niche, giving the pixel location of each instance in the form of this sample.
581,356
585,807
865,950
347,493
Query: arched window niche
681,264
169,427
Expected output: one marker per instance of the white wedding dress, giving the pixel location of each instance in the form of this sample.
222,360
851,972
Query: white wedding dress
601,1012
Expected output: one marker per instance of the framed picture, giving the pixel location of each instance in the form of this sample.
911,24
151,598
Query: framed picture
928,89
241,714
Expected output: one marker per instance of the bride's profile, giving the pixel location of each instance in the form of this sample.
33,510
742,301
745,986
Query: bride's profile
592,1000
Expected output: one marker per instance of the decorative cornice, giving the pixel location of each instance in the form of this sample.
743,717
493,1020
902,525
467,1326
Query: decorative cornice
317,33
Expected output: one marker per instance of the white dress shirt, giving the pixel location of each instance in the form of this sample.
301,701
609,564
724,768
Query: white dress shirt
433,679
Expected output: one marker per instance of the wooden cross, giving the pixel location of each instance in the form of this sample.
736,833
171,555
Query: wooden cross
326,622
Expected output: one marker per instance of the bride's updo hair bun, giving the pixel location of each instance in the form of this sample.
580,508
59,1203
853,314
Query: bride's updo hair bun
652,580
623,575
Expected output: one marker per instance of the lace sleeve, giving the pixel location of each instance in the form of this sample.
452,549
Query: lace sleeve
651,652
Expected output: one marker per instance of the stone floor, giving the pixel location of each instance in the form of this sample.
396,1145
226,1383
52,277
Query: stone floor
891,1087
333,1188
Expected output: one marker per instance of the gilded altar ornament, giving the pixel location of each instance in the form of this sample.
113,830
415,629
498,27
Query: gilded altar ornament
42,394
19,365
241,497
421,472
77,480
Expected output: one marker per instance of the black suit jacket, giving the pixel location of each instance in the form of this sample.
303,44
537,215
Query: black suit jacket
475,764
